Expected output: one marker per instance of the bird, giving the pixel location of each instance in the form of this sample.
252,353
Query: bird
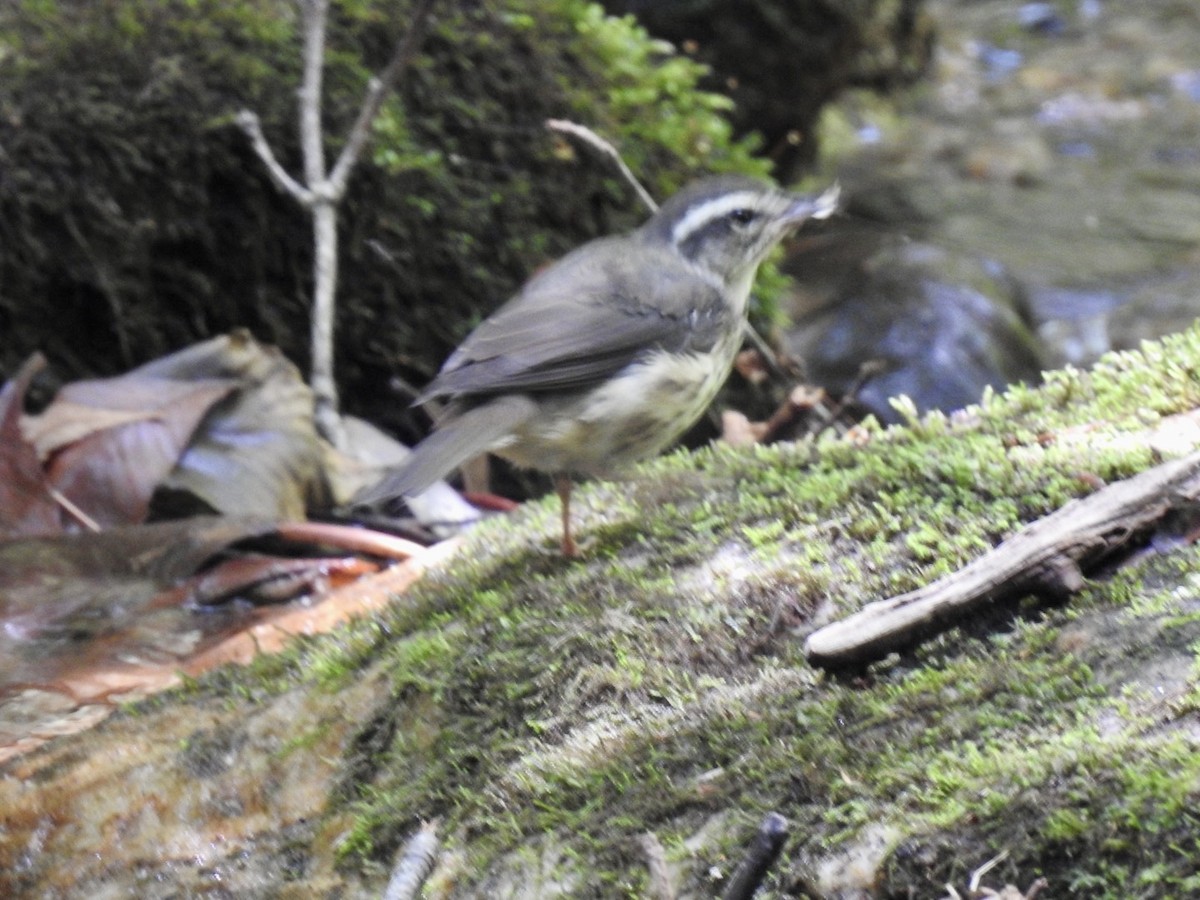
608,355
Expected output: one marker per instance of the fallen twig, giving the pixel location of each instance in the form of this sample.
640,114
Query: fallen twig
772,834
1048,556
73,510
976,890
416,860
977,875
660,886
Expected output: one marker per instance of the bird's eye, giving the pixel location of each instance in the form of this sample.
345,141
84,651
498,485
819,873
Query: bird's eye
743,216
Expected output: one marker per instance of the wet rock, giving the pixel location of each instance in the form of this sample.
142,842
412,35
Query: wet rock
1161,307
999,62
1073,323
1017,157
941,328
782,60
1072,161
1043,18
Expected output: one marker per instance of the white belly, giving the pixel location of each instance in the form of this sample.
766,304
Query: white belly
636,415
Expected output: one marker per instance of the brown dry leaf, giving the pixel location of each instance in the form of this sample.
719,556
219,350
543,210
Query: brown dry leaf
751,366
257,452
110,442
224,426
64,423
738,431
26,506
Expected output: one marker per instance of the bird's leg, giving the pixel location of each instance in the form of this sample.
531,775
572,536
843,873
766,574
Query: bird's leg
562,485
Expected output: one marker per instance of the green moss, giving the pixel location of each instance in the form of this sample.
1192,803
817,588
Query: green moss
550,711
303,742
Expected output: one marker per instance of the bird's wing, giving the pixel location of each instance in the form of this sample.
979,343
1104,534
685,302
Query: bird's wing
584,319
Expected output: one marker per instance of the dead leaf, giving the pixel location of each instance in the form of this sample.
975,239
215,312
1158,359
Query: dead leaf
26,505
110,442
83,408
751,365
738,431
222,427
257,452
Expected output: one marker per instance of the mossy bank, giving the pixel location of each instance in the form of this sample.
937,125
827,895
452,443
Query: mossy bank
548,712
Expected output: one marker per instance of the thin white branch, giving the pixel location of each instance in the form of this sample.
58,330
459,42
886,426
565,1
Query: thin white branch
321,192
416,860
312,143
74,511
325,266
377,91
250,124
585,134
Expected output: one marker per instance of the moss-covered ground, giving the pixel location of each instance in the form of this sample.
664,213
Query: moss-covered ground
548,712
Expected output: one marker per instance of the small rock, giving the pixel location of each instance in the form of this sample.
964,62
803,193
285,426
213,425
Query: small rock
1042,18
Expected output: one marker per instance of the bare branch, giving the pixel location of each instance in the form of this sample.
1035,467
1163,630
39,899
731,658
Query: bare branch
312,145
416,861
321,192
250,124
325,268
768,842
585,134
1047,556
377,92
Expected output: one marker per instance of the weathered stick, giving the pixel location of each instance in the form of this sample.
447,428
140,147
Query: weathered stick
1047,556
660,886
416,860
768,842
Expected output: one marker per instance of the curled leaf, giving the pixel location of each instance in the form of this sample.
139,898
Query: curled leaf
26,504
256,452
109,442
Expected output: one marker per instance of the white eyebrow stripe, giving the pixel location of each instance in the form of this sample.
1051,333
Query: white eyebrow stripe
713,209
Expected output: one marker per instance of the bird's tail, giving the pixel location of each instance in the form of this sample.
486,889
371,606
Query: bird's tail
462,438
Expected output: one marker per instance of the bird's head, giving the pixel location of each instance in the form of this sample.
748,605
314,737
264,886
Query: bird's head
727,225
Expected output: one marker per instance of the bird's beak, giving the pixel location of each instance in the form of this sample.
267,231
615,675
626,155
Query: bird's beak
820,207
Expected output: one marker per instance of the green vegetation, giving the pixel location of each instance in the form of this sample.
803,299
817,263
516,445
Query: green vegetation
552,710
134,202
548,711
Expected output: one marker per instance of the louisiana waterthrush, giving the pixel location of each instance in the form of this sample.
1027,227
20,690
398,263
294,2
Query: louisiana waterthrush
607,356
